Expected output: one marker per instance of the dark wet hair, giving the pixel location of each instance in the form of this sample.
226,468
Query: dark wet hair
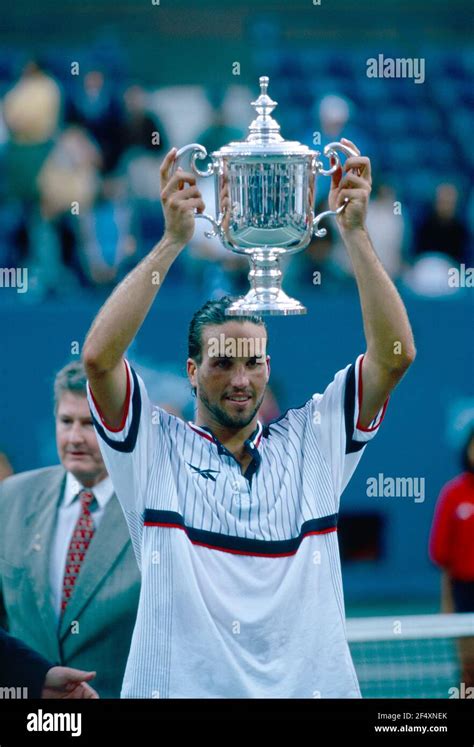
213,312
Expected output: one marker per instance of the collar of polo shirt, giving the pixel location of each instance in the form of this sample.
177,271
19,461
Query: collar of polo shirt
249,442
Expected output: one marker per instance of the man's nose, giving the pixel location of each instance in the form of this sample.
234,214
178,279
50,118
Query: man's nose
76,432
240,378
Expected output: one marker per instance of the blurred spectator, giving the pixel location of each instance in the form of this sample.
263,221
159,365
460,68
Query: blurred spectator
69,177
31,111
452,545
386,228
105,234
145,142
331,119
32,106
140,126
429,276
70,173
220,131
96,106
442,230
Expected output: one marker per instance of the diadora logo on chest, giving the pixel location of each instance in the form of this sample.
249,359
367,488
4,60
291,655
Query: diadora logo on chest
205,472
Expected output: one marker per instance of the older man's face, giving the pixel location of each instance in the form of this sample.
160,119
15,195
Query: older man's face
76,440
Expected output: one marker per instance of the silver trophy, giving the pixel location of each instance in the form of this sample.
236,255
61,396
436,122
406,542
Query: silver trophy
264,195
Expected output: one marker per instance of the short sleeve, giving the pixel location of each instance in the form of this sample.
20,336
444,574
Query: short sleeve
127,451
335,421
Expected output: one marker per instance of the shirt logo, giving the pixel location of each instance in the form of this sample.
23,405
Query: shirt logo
205,472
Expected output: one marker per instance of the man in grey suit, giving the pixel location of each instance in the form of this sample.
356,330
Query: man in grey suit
69,581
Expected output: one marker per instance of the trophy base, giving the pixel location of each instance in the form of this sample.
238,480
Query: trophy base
265,295
265,303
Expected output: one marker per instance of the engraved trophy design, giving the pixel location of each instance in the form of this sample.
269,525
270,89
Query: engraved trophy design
264,203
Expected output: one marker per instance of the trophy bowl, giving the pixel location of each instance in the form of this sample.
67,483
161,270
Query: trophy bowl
264,190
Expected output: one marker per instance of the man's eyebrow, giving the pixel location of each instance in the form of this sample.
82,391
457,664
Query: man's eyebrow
69,415
232,358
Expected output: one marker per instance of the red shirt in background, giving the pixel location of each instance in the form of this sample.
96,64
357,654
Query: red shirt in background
452,534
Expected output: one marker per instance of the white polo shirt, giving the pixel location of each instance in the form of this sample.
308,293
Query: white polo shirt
241,592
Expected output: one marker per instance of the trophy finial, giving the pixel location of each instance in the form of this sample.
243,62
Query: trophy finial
264,129
264,105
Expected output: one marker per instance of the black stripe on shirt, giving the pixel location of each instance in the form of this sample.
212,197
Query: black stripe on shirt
128,444
349,410
240,545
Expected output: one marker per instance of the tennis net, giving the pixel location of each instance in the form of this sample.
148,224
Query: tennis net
413,656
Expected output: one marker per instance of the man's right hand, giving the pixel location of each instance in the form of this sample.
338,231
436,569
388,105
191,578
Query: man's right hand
179,201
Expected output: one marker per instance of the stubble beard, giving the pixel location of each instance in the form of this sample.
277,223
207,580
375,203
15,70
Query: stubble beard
223,418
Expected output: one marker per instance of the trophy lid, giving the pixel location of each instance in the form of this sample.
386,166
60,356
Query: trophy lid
264,133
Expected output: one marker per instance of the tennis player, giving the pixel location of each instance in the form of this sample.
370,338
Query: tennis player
234,523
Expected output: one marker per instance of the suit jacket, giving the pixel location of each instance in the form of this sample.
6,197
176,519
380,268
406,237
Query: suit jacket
96,629
20,666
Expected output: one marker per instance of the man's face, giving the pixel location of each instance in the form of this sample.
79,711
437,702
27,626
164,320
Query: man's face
234,365
76,440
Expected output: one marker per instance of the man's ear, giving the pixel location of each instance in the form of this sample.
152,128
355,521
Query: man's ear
191,370
268,365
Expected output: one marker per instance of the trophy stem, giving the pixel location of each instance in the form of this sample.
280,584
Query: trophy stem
266,295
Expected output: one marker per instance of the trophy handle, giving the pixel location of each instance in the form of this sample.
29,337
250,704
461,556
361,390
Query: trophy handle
199,152
320,233
330,150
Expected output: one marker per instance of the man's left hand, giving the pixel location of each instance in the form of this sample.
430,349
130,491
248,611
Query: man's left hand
354,181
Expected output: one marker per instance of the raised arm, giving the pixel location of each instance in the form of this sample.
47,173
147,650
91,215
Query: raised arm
122,315
388,334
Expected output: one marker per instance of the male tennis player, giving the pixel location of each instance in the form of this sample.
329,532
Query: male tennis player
234,524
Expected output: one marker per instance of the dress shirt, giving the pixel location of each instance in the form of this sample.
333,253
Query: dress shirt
66,518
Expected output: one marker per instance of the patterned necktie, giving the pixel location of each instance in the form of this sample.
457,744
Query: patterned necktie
80,540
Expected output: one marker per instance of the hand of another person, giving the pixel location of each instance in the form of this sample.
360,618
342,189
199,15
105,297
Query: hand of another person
68,684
